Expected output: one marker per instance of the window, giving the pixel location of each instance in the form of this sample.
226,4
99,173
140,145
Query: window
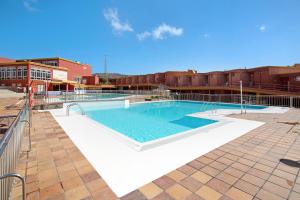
13,73
49,62
39,74
77,79
24,72
48,75
32,73
8,73
2,73
20,73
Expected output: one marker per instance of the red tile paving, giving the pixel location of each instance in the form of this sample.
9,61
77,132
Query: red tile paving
245,168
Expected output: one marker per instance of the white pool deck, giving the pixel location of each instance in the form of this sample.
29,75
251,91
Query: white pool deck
125,169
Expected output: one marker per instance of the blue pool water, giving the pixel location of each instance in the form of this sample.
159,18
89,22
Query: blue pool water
146,122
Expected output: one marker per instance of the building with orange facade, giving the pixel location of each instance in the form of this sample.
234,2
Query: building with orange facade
259,80
56,74
42,74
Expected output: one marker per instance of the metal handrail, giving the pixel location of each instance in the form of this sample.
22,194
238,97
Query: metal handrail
29,133
74,104
265,100
15,175
10,147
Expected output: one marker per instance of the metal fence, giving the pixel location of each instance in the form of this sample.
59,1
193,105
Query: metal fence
10,147
266,100
98,95
94,95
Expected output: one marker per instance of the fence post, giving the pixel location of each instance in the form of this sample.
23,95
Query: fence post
291,102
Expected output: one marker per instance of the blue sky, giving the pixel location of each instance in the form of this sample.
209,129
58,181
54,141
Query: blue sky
144,36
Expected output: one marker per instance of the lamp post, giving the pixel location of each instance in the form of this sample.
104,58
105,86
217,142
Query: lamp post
241,90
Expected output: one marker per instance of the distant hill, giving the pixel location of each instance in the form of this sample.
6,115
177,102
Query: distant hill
110,75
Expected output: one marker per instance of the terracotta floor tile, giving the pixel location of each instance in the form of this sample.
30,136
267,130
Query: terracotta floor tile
95,185
191,184
135,195
210,171
104,193
284,174
237,194
264,168
90,176
259,173
196,164
227,178
205,160
163,196
276,189
193,196
246,162
294,196
218,165
51,191
72,183
240,166
77,193
178,192
33,196
225,161
266,195
31,187
283,182
49,182
201,176
231,156
186,169
65,175
208,193
297,188
253,180
247,187
150,190
218,185
176,175
164,182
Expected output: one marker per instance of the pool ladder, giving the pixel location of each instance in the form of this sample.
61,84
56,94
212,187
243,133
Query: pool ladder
74,104
212,105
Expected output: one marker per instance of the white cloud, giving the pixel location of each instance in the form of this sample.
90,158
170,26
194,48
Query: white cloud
161,32
164,30
262,28
111,15
29,5
144,35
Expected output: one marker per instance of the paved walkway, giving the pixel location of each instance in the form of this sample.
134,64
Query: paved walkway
246,168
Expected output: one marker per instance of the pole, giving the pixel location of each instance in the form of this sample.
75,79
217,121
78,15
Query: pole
241,89
105,70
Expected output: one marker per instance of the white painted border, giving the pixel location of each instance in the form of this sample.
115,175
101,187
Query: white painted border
139,146
125,169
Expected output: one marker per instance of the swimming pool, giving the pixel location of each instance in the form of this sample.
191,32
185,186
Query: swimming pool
147,122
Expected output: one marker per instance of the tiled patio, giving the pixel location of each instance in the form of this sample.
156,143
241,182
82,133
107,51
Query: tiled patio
246,168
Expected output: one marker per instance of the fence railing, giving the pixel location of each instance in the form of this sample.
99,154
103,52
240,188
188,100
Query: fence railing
98,95
10,147
266,100
93,95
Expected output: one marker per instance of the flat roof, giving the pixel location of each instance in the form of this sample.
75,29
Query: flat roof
51,58
33,63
